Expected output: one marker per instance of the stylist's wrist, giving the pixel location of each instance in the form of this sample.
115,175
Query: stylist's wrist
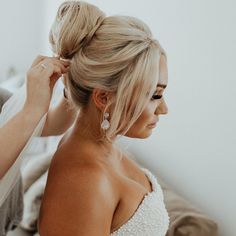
34,111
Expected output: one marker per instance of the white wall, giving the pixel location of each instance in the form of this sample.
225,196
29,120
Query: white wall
193,148
21,31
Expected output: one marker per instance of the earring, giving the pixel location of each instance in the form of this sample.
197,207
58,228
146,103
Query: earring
105,123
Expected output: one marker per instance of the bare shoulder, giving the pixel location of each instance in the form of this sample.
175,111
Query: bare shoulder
130,160
79,199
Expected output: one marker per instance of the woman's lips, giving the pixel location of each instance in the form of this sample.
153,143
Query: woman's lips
153,124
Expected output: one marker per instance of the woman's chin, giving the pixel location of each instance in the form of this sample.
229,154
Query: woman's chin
146,134
141,135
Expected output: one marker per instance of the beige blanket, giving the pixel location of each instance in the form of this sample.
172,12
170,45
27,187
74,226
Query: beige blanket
185,219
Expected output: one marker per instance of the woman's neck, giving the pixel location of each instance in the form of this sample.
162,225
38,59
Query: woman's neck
87,130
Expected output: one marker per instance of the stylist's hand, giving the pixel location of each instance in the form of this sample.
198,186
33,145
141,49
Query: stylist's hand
41,78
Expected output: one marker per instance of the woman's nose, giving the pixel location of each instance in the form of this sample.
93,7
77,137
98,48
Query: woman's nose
162,109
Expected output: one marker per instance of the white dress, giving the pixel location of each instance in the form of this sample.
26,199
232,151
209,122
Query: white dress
151,217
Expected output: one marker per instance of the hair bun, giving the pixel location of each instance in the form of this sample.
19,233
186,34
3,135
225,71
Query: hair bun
75,24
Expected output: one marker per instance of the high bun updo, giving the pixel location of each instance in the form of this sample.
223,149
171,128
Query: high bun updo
75,23
115,53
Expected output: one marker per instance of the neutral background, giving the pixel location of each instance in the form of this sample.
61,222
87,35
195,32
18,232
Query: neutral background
193,148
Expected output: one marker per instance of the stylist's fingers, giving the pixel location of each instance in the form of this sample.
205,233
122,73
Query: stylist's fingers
52,71
41,78
37,60
53,79
56,60
64,66
48,69
59,70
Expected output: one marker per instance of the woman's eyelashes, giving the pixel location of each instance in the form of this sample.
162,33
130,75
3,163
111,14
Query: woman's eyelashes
156,96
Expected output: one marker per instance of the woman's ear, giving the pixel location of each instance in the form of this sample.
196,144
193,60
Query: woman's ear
101,98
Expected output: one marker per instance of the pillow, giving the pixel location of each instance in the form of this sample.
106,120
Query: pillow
34,179
186,219
13,83
35,167
32,202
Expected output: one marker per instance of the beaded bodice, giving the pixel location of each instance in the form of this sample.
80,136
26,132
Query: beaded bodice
151,217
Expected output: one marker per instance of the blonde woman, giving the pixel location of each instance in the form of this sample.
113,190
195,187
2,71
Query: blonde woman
117,77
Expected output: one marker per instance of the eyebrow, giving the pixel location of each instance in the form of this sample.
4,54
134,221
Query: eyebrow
162,85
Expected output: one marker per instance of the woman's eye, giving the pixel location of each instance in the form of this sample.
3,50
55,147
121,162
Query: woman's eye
156,96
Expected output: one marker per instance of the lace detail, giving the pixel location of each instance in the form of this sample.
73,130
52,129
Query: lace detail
151,218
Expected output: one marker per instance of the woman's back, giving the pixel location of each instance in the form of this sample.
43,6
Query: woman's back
77,194
91,194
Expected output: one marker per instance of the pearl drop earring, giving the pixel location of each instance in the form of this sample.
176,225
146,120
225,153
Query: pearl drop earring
105,125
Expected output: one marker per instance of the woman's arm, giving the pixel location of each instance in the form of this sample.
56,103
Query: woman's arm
59,119
14,135
41,78
78,203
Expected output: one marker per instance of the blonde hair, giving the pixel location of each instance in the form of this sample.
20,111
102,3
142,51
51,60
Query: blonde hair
115,53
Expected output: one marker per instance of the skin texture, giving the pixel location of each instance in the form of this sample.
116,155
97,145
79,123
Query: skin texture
93,188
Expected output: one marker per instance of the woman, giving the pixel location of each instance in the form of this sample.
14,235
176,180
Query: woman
15,133
117,77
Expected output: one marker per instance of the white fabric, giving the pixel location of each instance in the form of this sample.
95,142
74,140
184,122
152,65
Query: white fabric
151,217
10,108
